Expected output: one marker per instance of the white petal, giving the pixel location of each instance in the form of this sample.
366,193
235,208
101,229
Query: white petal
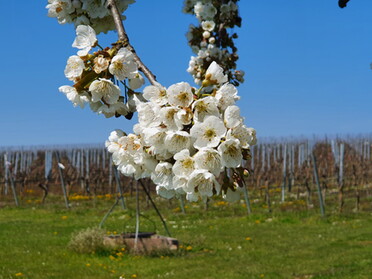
232,116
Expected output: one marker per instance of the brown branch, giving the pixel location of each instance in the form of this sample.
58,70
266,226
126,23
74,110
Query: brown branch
124,40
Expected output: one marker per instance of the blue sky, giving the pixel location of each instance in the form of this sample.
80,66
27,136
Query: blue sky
306,63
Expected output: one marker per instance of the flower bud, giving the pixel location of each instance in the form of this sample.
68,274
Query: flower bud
206,34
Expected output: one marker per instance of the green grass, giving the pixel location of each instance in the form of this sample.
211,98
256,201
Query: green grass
219,243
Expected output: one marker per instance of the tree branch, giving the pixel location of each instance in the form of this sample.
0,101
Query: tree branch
123,38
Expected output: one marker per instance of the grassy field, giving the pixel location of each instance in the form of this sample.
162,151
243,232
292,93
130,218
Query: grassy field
222,242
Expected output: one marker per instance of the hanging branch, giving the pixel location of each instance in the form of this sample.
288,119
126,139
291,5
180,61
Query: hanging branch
123,38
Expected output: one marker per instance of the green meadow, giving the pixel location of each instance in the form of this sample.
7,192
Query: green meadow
220,242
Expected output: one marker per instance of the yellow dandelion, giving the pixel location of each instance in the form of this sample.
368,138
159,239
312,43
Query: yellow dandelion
88,264
257,221
64,217
248,238
134,275
189,248
19,274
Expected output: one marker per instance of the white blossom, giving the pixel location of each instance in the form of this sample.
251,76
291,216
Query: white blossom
205,107
165,192
232,116
180,94
74,68
184,116
104,89
208,25
170,118
155,94
184,165
60,9
122,64
130,144
180,183
208,133
245,135
209,159
136,81
205,11
215,74
112,144
100,64
226,96
154,137
113,109
163,175
72,95
176,141
231,153
203,182
148,114
85,39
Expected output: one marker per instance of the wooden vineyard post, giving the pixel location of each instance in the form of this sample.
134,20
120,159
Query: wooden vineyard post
316,175
268,198
118,184
252,164
137,217
6,166
292,166
47,174
284,172
60,167
87,171
356,185
182,204
246,197
12,184
341,178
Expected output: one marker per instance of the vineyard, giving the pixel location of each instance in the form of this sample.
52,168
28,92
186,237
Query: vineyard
296,174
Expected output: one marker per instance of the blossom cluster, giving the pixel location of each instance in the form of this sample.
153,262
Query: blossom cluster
186,139
97,76
211,39
86,12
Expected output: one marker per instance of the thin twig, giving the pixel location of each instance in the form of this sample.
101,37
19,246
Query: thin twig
123,38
